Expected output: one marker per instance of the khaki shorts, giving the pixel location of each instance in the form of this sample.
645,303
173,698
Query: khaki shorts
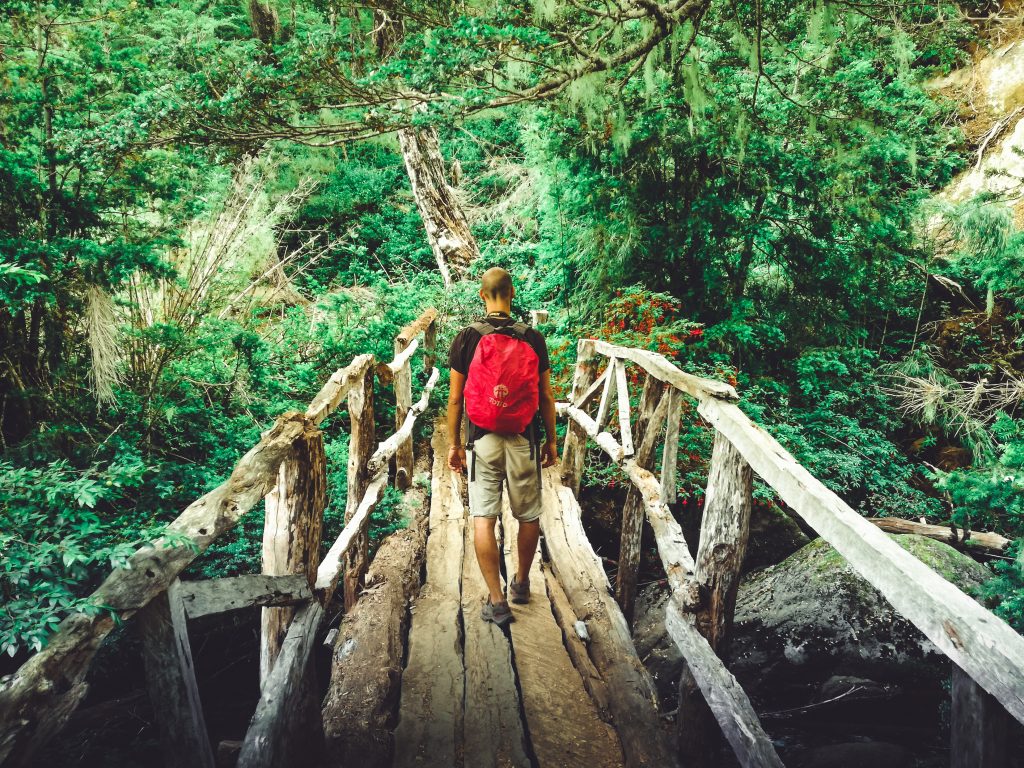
500,458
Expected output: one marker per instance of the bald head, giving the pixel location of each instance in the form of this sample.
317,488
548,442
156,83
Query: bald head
496,285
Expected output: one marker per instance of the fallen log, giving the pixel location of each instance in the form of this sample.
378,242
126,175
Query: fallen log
209,596
989,543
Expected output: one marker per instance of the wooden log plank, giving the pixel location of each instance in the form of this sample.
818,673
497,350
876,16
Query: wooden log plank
653,407
656,365
595,389
279,732
430,344
420,325
723,693
362,441
974,638
337,388
361,706
429,730
403,404
36,701
578,568
171,682
566,618
389,373
670,456
606,440
330,568
565,726
989,543
291,532
389,447
979,726
493,735
210,596
604,407
574,451
725,529
622,399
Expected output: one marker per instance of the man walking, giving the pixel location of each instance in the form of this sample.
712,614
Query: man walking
500,369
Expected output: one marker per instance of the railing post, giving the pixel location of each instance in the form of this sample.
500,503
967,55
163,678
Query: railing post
403,402
978,733
724,532
430,346
171,680
292,531
653,404
362,441
575,451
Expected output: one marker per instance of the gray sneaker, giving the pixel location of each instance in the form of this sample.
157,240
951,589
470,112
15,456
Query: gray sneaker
520,590
500,614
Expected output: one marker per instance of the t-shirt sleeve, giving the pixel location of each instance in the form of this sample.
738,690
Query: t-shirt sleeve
457,354
540,346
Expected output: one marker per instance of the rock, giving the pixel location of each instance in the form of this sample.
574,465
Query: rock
774,536
856,754
812,616
850,688
809,619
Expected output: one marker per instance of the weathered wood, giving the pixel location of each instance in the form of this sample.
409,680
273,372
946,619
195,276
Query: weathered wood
574,452
444,220
280,730
606,440
578,568
362,441
979,726
670,456
538,316
604,407
724,695
725,529
337,388
566,618
595,389
622,399
429,730
391,373
974,638
656,365
724,532
388,448
403,404
430,344
291,532
420,325
36,701
564,724
171,681
492,730
209,596
653,406
989,543
361,706
330,568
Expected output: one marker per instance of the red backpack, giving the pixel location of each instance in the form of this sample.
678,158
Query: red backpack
502,384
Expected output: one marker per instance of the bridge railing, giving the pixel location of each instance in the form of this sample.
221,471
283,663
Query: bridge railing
288,468
988,655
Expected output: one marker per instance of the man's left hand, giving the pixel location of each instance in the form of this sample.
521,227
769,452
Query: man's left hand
549,454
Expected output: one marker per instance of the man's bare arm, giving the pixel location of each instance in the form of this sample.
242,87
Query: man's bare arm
547,413
456,451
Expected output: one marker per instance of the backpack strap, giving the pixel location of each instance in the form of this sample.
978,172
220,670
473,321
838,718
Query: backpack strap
482,327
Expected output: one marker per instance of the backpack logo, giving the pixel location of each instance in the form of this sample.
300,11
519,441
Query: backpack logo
500,393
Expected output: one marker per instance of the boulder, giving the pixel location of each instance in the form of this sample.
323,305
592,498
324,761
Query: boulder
774,536
811,618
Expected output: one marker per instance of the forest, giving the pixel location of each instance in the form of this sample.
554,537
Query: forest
206,208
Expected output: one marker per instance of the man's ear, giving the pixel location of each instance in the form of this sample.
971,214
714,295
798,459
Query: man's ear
483,296
512,293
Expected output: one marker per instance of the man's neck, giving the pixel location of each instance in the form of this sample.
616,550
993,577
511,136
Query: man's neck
497,310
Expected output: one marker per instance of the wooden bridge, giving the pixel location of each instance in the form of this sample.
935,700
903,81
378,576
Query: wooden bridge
417,678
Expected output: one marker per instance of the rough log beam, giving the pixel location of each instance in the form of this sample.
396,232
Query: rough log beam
595,388
605,406
387,448
979,726
36,701
360,446
974,638
574,452
670,457
403,402
171,682
622,399
659,367
989,543
337,387
420,325
210,596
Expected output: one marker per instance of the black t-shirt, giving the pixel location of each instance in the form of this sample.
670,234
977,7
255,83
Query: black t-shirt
464,345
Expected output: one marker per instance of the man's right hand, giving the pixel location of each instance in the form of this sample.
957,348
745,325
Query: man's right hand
457,458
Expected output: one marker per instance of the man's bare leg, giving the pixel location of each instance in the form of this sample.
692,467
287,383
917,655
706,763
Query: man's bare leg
526,547
486,547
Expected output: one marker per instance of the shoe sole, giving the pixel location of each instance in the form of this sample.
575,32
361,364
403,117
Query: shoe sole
520,599
501,622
